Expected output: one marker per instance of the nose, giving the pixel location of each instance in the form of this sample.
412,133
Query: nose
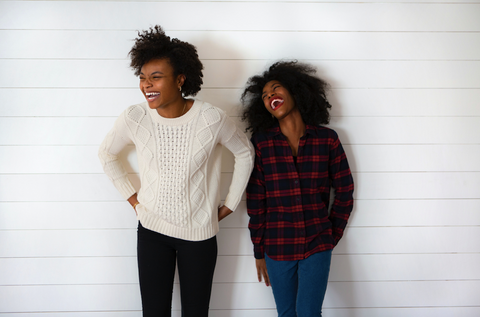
146,82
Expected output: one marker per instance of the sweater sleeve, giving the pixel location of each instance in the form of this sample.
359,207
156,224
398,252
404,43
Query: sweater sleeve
237,142
342,182
112,145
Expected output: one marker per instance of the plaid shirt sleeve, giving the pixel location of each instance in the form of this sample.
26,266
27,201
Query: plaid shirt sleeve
342,182
256,205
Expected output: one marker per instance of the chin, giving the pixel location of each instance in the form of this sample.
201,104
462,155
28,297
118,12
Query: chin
152,105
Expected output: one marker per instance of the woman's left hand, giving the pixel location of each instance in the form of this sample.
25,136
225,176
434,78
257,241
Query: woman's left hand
223,212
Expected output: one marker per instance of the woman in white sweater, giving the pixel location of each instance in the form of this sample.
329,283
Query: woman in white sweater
178,143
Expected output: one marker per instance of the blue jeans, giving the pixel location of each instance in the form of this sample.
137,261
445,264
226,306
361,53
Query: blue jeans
299,286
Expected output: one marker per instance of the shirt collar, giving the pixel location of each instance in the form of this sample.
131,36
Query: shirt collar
275,130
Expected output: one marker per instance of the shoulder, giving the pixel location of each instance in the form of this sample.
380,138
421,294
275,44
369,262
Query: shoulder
210,119
211,113
323,132
136,112
260,139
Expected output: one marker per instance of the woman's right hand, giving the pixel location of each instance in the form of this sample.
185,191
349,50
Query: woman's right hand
262,271
134,202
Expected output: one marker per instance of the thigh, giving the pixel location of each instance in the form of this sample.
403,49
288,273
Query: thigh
312,283
156,269
284,280
196,265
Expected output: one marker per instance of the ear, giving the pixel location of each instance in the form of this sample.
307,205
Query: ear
181,80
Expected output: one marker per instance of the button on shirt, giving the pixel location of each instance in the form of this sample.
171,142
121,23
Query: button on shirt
288,202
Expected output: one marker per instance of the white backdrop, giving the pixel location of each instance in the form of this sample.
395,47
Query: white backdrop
405,79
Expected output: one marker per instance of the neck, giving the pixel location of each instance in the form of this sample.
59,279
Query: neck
174,109
292,126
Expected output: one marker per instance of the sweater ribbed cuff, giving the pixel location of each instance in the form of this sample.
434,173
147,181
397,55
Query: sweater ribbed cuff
126,189
232,203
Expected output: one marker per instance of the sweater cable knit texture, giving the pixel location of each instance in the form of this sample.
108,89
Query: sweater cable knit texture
179,161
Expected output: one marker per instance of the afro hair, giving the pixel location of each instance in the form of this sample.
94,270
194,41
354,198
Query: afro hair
154,44
308,91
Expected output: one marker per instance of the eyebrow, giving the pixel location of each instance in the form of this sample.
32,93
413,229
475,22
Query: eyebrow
157,72
264,92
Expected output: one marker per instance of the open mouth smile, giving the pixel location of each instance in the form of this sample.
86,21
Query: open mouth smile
276,103
151,95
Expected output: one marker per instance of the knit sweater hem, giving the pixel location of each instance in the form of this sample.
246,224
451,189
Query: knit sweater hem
154,223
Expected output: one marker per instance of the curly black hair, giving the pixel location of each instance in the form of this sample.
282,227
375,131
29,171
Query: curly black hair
154,44
308,91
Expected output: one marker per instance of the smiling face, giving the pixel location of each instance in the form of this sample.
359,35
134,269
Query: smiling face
277,99
159,85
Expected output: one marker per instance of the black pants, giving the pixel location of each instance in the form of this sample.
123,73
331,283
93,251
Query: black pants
157,254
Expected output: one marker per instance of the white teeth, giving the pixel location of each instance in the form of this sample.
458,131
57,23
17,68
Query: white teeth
151,94
274,101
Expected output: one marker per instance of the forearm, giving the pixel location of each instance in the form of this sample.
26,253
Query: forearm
108,153
223,212
341,210
243,152
256,227
342,182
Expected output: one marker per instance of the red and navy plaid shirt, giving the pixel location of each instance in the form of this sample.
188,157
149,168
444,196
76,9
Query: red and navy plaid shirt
288,203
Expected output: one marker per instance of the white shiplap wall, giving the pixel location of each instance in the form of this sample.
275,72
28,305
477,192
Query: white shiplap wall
405,79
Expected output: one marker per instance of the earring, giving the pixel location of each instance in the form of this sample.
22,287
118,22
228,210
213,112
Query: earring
180,88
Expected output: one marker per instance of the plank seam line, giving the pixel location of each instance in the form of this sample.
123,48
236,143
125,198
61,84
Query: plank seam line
245,283
241,88
265,30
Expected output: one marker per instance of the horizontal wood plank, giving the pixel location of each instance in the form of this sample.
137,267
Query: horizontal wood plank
240,296
241,269
213,44
361,158
119,215
327,312
315,16
91,102
232,241
352,130
97,187
234,73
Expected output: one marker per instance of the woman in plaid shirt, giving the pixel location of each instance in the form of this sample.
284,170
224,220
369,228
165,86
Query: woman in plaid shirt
297,161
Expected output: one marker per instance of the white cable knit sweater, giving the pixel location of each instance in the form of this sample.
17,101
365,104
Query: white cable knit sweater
179,161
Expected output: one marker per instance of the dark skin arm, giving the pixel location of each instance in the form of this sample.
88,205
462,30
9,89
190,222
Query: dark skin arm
262,271
223,212
133,200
